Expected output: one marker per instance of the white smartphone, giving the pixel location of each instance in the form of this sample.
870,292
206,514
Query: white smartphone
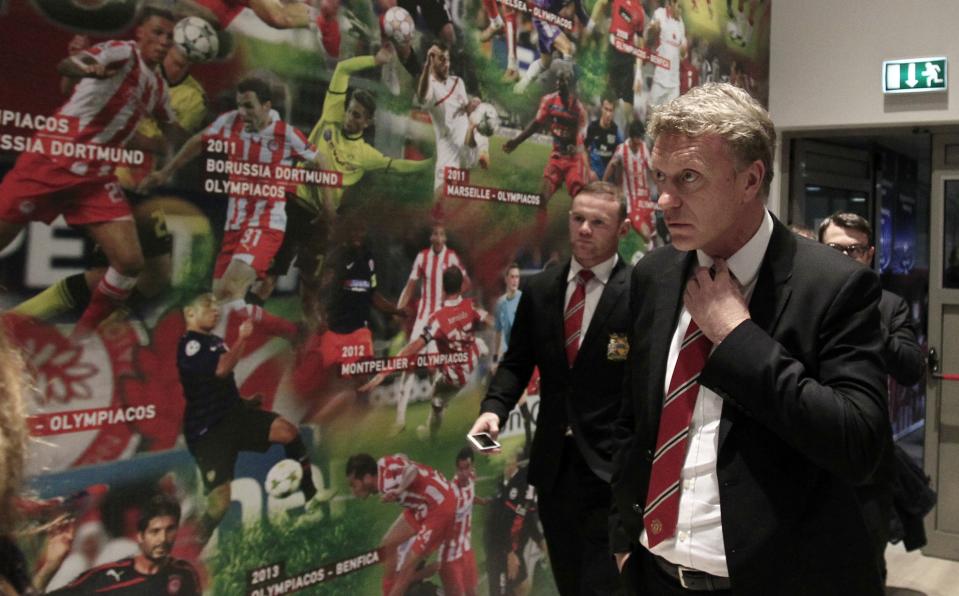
483,441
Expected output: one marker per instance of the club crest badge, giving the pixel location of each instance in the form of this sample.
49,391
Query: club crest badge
618,347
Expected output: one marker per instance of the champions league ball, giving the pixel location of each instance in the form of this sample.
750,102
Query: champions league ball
196,38
284,478
398,25
485,118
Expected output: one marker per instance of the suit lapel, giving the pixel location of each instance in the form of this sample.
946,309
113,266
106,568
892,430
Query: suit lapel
615,286
770,296
556,303
668,305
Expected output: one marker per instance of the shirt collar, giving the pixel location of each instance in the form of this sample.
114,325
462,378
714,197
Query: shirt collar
744,264
601,271
453,301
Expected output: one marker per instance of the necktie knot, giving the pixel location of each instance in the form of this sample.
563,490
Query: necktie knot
573,315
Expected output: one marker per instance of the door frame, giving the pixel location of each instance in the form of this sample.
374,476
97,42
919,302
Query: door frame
939,543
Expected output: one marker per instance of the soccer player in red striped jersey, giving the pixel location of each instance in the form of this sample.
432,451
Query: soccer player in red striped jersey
452,329
627,20
427,273
457,559
630,169
118,85
429,503
564,117
252,137
151,571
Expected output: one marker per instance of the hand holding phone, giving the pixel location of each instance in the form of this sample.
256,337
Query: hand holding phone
483,441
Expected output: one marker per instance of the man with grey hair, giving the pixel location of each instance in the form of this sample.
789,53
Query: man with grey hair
571,322
755,395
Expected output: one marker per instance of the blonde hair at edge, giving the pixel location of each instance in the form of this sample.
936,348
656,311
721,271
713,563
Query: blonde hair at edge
13,430
726,111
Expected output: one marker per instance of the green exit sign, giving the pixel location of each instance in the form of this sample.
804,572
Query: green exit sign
915,75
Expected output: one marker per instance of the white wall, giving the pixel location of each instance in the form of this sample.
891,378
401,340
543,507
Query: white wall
826,62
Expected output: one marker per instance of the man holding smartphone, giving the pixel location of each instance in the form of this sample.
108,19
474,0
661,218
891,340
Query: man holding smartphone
571,322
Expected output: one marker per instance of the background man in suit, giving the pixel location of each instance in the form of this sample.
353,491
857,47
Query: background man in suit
851,234
571,322
738,475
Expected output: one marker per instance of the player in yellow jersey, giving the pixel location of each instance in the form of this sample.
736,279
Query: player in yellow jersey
338,135
338,138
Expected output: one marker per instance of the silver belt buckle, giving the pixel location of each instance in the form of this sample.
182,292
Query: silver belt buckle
682,578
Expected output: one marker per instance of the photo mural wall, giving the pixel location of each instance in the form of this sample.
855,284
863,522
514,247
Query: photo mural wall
224,229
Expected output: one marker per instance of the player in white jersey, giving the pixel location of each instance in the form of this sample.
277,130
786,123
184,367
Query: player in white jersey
458,144
629,168
118,84
667,25
427,273
254,141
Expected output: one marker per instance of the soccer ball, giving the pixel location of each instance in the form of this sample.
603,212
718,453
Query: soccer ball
284,478
485,118
196,38
735,33
398,25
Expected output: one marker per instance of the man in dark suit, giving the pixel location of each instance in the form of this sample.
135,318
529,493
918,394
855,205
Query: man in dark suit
571,322
851,234
755,398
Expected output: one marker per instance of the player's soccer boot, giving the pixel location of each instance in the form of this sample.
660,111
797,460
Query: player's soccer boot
315,509
396,429
510,76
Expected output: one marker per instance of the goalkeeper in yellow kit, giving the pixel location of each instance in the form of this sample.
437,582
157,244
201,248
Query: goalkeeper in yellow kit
338,138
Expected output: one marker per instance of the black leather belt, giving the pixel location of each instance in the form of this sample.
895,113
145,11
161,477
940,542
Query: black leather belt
691,579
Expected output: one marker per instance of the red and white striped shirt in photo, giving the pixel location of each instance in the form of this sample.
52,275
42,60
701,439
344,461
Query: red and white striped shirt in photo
108,111
635,166
452,329
427,491
460,541
429,267
277,144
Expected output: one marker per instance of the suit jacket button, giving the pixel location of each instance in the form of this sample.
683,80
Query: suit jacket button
637,508
649,455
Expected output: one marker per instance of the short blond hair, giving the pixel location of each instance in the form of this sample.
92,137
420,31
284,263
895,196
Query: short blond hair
726,111
13,430
203,300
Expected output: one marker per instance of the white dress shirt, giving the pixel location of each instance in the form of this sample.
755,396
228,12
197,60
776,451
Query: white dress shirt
698,543
594,288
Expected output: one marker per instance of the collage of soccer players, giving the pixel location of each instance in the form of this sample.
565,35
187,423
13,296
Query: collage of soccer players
262,257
